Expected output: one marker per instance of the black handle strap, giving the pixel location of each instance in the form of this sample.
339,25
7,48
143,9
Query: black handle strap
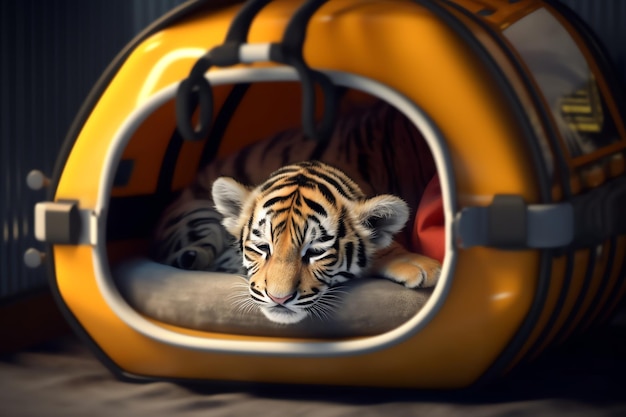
195,91
240,27
289,52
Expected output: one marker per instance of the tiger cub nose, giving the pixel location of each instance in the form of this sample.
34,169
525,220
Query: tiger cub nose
281,300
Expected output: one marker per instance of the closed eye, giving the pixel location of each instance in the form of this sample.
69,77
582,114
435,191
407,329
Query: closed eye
263,249
311,253
315,251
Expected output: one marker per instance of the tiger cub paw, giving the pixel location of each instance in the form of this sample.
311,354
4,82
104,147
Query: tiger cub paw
412,270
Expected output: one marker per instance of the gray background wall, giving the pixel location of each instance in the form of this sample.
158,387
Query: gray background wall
51,54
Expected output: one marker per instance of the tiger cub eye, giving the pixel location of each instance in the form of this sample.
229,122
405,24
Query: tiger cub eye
187,259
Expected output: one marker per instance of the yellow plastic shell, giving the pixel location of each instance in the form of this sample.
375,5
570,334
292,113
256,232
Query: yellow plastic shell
401,45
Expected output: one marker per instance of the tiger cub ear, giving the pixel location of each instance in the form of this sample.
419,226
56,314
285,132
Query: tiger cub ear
230,197
384,216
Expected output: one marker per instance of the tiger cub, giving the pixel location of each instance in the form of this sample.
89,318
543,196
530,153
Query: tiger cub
306,226
310,227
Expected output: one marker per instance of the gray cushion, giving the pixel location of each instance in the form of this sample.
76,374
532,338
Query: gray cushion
204,301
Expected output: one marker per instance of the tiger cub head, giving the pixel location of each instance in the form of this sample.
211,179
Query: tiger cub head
307,228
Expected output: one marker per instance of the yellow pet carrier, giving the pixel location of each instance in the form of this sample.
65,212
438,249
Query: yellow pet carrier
516,103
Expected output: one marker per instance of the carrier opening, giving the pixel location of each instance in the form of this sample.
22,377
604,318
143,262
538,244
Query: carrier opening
161,213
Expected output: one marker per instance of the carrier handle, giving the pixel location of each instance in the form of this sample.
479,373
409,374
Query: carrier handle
240,27
289,51
196,91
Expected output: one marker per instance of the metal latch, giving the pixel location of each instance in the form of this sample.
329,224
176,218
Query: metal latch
63,222
509,223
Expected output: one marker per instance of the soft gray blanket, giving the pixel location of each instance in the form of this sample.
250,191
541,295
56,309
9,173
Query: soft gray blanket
208,301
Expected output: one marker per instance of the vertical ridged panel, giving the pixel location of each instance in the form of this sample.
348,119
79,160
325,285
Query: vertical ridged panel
52,53
146,11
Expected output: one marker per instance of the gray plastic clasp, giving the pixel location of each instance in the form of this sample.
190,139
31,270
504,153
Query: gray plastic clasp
62,222
509,223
